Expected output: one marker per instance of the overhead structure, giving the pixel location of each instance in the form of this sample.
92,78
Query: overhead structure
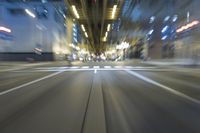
95,18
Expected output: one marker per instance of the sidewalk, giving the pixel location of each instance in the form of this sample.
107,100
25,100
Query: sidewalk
12,66
172,62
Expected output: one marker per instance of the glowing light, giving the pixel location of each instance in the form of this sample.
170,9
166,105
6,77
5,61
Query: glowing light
164,37
4,29
106,34
104,39
75,12
83,28
167,18
72,45
77,48
152,19
165,29
30,13
175,18
185,27
86,35
114,11
123,45
150,32
83,51
108,27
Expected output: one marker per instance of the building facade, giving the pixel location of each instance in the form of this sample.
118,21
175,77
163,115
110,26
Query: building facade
33,30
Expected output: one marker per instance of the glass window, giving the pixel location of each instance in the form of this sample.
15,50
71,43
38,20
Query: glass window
42,12
17,11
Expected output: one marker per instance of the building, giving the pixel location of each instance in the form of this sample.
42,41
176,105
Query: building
33,30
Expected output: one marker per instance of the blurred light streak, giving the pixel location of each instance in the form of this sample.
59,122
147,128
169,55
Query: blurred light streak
165,29
114,11
75,12
187,26
188,16
104,39
108,27
4,29
152,19
83,28
86,35
106,34
150,32
167,18
30,13
164,37
123,45
175,18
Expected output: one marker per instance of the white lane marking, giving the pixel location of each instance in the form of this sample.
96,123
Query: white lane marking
12,69
63,67
100,69
95,71
51,68
29,83
36,64
85,67
41,68
74,67
96,67
128,67
180,94
144,67
107,67
118,66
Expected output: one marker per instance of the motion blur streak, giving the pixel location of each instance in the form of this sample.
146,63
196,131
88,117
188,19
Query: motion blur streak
99,66
163,86
29,83
4,29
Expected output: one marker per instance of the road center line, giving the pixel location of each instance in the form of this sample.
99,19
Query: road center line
95,71
180,94
29,83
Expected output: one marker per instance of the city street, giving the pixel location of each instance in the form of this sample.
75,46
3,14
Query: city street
99,97
99,66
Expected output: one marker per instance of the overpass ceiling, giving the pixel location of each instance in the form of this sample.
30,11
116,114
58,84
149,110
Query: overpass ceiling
96,15
139,12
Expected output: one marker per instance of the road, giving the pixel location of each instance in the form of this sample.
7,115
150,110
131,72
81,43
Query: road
99,98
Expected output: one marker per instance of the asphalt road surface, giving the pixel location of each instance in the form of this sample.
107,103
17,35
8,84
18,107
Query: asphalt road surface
99,98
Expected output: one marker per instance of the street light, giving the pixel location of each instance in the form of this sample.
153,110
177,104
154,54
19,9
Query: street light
106,34
75,12
30,13
108,27
83,28
104,39
86,35
187,26
114,11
